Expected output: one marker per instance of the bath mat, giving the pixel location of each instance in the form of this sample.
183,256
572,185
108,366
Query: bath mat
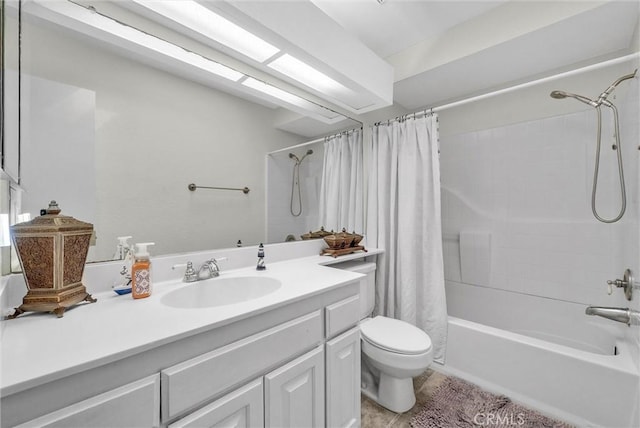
457,403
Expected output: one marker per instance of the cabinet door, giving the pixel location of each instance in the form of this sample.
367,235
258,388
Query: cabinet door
294,393
242,408
136,404
343,380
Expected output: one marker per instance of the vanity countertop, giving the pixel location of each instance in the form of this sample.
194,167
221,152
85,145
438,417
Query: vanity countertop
35,346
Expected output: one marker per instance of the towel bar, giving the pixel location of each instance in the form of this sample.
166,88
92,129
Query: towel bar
193,188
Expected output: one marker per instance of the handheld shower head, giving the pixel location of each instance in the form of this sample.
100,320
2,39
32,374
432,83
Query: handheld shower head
558,95
292,156
309,152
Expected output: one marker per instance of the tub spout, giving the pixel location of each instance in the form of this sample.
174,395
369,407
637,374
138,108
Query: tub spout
623,315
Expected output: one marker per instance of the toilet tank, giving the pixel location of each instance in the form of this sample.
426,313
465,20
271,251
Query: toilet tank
367,284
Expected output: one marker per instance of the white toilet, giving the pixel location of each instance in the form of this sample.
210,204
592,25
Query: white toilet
393,351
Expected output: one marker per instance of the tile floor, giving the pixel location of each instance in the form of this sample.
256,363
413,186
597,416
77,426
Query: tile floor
375,416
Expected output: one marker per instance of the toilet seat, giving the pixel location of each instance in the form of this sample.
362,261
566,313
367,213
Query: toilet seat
395,336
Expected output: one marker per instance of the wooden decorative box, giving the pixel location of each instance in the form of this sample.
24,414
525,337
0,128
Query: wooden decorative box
52,250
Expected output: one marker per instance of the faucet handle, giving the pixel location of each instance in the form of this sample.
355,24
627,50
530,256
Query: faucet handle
215,268
626,283
190,275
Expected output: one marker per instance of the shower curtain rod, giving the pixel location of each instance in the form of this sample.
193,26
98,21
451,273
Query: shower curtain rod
317,140
535,82
297,146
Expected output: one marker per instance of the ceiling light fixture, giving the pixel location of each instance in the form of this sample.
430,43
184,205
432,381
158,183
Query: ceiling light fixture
307,75
84,17
167,55
204,21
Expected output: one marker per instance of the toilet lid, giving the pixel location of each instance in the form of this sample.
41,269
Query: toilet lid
395,335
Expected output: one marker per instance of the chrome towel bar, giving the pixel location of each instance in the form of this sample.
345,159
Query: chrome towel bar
193,188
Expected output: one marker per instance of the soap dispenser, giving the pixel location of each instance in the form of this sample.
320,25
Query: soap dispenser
261,265
141,272
123,248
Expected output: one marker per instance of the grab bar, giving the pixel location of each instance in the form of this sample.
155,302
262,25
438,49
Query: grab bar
193,188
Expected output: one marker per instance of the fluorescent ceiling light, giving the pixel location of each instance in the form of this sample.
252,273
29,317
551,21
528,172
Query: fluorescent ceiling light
196,17
307,75
132,35
292,99
207,65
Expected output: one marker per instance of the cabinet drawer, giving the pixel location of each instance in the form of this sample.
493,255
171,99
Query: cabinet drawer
243,407
194,381
135,404
342,315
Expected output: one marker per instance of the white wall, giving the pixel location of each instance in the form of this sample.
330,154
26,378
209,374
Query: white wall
529,185
63,171
155,134
280,221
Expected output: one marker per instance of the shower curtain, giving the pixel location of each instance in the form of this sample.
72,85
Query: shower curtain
403,217
341,190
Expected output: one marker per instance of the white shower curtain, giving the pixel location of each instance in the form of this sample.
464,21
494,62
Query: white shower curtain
341,190
403,217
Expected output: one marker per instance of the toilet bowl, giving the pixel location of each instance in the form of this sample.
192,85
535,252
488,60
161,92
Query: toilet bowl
397,352
393,351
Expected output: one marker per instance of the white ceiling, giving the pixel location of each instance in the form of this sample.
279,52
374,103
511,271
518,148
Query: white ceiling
395,25
447,50
416,53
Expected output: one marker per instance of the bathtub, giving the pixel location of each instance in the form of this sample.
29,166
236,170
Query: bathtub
543,353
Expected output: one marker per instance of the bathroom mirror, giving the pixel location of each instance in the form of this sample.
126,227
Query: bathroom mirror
9,83
116,142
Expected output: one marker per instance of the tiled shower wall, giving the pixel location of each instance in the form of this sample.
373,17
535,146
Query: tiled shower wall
527,187
280,221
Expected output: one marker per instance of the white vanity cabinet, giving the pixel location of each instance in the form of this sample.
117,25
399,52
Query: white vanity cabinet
290,396
343,380
342,355
187,385
294,393
242,408
295,365
133,405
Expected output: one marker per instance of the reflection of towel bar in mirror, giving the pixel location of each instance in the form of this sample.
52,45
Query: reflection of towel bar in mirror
193,188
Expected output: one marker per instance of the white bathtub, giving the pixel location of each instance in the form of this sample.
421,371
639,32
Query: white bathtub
543,353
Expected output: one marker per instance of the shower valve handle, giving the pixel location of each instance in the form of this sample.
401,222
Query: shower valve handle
618,283
626,283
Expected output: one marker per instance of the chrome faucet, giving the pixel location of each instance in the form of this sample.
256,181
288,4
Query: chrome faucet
209,269
623,315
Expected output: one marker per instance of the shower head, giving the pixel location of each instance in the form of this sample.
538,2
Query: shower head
562,94
555,94
299,160
309,152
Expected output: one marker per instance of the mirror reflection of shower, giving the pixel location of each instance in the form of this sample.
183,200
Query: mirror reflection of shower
602,100
295,183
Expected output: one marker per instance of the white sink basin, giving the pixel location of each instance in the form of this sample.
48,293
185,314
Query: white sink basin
221,291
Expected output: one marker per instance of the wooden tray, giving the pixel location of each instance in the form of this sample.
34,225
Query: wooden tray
342,251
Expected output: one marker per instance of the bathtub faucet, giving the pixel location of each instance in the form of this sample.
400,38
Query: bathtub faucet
624,315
